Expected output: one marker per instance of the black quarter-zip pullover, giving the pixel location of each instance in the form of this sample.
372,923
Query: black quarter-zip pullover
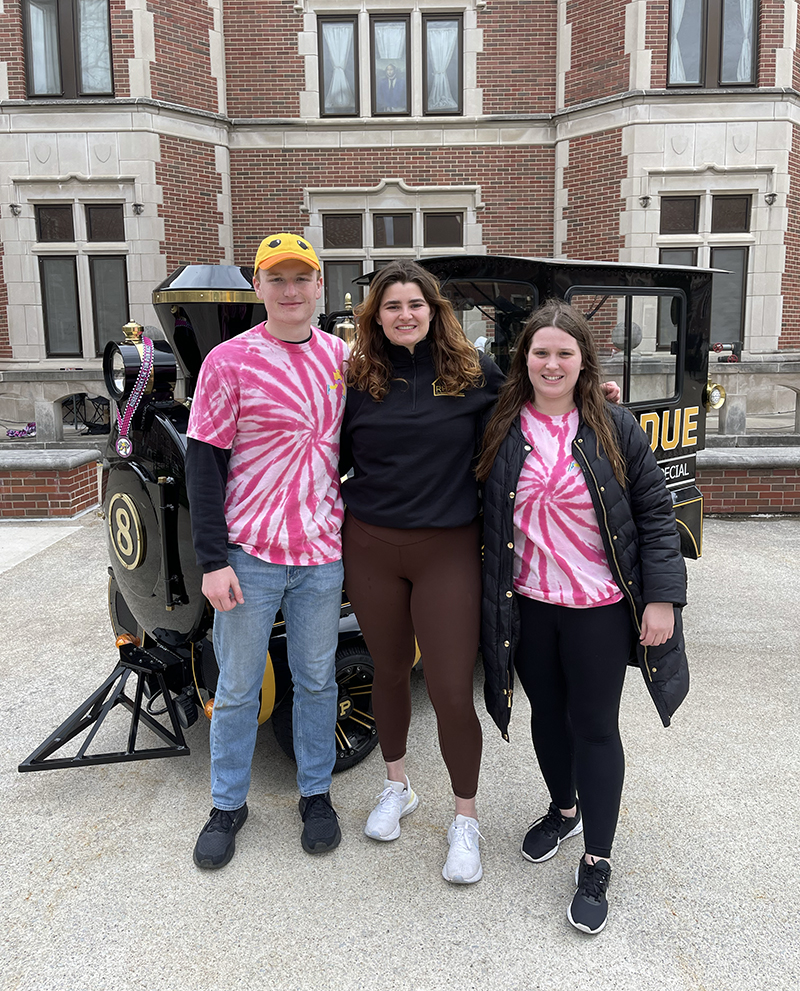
413,454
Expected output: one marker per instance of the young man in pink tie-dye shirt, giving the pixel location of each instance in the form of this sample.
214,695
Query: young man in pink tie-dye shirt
263,485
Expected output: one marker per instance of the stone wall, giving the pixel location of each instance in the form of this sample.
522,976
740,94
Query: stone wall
48,484
751,481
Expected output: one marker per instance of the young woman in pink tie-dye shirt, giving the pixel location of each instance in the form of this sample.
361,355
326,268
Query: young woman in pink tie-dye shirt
582,572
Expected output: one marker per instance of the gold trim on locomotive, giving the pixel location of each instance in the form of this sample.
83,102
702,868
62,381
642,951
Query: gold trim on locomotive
205,296
132,558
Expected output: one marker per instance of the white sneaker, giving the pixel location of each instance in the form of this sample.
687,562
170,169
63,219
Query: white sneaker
463,864
394,802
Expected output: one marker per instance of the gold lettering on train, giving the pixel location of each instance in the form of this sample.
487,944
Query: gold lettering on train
690,415
670,443
682,430
650,420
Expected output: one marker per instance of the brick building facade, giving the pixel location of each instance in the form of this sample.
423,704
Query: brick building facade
143,134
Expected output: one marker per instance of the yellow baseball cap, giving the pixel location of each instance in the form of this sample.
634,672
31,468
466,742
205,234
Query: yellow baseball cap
280,247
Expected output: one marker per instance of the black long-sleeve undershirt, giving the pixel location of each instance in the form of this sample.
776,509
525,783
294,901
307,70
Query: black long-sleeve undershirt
206,478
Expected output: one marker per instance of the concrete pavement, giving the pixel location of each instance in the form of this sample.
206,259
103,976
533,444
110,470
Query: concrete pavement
100,891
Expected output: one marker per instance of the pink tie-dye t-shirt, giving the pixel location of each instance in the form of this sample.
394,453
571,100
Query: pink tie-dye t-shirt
278,407
558,552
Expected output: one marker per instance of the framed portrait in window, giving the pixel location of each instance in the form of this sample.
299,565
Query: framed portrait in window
391,68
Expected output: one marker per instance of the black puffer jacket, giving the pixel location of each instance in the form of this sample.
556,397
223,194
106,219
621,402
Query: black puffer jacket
641,541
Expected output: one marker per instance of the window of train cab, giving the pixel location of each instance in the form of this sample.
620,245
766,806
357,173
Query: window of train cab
67,48
638,338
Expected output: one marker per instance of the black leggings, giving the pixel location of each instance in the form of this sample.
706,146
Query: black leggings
428,582
571,664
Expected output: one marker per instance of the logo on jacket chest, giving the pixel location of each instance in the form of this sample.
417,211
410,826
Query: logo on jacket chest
439,390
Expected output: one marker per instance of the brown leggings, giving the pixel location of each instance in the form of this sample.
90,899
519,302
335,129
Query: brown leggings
426,581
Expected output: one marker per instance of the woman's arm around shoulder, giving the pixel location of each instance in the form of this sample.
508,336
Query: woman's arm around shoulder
492,373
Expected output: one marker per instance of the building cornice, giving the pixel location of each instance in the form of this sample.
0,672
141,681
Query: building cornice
546,129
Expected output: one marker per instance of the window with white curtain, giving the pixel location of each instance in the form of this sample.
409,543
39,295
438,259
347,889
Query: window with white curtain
68,48
338,43
712,43
391,63
442,64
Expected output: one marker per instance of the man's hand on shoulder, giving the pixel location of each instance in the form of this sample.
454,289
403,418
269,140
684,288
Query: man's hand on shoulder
611,389
222,589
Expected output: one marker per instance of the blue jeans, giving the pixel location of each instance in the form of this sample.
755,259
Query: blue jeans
310,598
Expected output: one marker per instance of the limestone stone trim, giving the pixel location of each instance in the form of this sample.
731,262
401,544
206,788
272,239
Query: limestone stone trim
563,53
379,133
222,158
785,56
44,460
22,277
216,41
144,45
770,112
640,55
722,114
113,117
35,392
749,457
768,385
395,195
727,154
561,226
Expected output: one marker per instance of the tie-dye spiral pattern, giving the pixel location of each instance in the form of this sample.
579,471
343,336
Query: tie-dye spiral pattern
278,407
558,552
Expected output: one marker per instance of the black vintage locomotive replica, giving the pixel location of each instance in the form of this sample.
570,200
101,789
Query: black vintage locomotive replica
652,324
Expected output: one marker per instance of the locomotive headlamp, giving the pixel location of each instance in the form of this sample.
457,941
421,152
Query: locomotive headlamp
122,365
122,362
117,372
713,395
136,368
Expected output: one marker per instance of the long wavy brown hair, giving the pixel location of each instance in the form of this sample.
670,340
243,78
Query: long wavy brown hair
455,360
518,388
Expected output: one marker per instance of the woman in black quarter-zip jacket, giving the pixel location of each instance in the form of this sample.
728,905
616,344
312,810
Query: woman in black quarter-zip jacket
418,394
582,574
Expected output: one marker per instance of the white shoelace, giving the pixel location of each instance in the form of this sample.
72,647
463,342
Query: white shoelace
388,793
464,832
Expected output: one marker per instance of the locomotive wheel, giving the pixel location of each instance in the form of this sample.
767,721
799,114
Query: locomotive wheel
356,735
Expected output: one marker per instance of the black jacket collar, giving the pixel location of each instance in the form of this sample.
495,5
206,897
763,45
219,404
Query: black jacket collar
401,357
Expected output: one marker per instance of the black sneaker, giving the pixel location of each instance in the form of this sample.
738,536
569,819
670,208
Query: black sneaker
320,824
589,909
216,844
544,836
